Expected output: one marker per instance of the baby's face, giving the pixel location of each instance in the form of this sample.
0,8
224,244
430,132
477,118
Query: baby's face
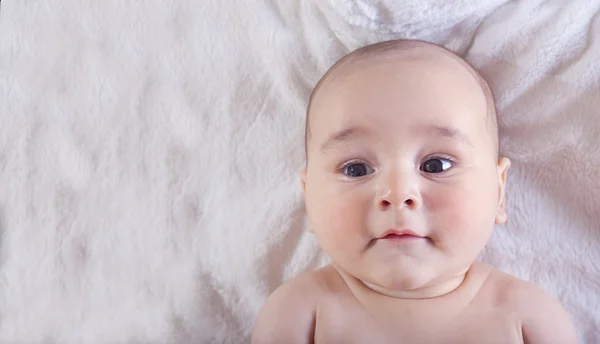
406,147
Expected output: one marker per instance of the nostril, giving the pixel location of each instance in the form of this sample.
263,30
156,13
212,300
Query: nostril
409,202
385,204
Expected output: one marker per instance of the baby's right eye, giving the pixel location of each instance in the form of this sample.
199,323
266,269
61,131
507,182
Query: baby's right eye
356,170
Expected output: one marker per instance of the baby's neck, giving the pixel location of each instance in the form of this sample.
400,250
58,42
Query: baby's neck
431,291
427,292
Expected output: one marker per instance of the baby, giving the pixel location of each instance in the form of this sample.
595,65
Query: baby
403,185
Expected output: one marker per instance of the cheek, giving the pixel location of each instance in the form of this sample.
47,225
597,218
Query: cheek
337,214
463,215
449,213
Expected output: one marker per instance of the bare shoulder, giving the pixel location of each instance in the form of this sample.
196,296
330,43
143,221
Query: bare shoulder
543,319
289,314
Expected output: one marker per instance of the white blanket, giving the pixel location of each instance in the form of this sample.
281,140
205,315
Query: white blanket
149,154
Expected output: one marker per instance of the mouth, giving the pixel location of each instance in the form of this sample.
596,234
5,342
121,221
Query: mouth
400,235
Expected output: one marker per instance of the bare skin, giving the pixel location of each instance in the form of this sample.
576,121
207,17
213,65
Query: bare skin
325,306
403,186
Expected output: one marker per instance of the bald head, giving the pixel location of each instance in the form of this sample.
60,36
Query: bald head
397,51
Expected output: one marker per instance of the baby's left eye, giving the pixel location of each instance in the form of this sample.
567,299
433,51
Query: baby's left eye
436,165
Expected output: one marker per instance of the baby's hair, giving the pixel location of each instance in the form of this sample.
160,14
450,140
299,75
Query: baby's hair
382,49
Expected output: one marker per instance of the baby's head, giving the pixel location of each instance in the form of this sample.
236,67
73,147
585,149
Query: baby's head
402,137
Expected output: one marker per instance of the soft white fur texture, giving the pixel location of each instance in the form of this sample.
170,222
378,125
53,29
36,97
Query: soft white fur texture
149,153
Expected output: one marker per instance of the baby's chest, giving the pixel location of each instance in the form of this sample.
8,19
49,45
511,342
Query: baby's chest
346,323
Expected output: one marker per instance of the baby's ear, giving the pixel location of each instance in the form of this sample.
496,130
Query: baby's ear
302,175
303,179
503,166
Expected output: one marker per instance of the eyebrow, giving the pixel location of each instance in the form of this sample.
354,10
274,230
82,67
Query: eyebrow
448,132
347,134
343,136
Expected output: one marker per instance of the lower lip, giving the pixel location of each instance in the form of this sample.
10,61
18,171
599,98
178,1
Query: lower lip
401,238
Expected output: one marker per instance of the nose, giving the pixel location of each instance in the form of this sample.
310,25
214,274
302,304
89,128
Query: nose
399,191
407,203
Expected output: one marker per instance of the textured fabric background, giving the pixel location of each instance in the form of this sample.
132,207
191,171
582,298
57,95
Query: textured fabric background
149,153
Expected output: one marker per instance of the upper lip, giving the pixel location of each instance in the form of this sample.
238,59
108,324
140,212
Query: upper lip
400,232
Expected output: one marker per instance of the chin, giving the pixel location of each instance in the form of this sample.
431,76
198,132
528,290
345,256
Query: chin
405,280
407,284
